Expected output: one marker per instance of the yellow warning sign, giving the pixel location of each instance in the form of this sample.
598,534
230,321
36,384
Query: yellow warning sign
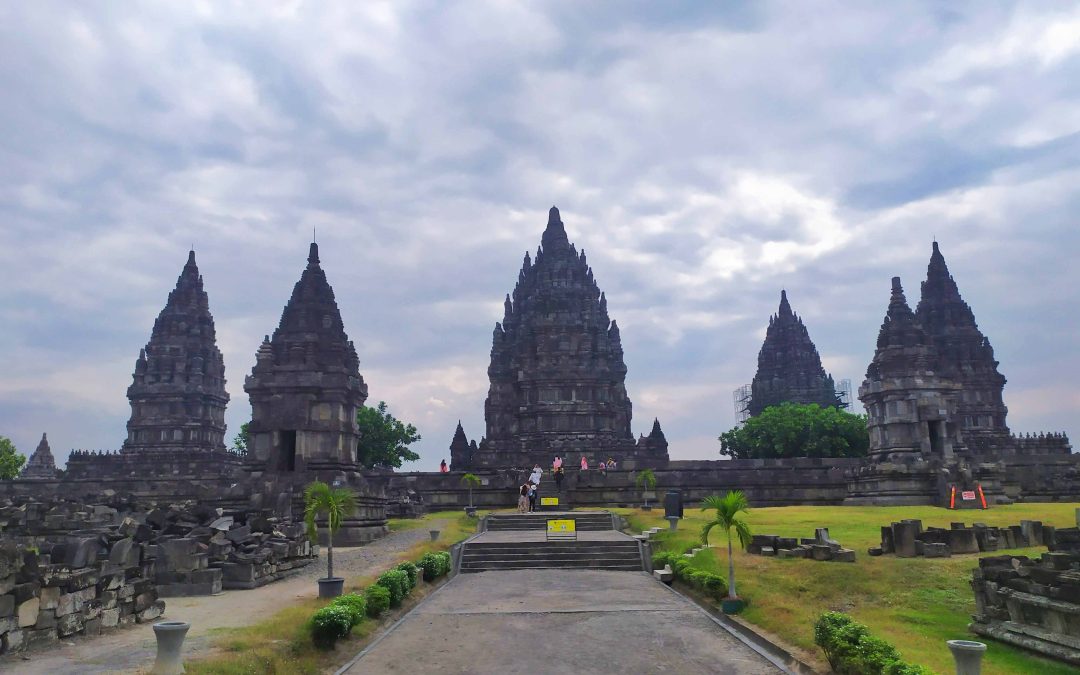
562,526
549,501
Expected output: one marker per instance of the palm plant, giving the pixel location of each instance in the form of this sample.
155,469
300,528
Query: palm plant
646,479
335,504
727,517
472,480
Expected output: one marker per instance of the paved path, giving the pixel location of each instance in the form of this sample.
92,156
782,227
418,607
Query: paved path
579,622
130,649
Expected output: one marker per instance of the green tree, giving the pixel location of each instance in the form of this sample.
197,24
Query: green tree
646,479
727,518
335,503
11,462
796,430
384,440
240,441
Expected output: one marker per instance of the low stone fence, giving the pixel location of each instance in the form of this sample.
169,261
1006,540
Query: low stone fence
75,586
820,547
907,539
1034,604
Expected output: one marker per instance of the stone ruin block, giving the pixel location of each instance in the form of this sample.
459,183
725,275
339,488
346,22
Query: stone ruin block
903,535
936,550
963,540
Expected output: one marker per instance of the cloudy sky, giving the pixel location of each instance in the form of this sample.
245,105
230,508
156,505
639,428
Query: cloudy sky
705,155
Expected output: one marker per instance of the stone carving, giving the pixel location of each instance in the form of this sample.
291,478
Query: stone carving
41,463
1034,604
178,392
557,371
789,367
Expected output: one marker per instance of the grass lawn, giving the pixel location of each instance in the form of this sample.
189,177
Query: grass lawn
914,603
281,643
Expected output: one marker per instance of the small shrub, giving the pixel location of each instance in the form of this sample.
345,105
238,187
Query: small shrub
397,582
355,604
377,599
445,562
411,571
852,650
429,564
659,560
330,624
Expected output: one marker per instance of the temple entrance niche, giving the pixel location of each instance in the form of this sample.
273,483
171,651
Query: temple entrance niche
287,459
935,431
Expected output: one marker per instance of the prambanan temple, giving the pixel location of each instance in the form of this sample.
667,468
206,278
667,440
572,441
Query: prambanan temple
557,377
789,368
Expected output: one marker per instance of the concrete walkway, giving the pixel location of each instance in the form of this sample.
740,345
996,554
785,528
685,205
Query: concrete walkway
558,621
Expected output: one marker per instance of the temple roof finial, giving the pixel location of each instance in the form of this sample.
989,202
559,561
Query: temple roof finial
785,307
313,254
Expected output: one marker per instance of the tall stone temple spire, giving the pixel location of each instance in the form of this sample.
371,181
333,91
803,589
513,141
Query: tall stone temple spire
178,392
306,386
789,367
41,463
910,407
557,371
965,354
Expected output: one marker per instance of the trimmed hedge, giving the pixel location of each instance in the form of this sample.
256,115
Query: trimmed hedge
330,624
377,599
355,604
851,649
712,585
411,570
434,565
397,582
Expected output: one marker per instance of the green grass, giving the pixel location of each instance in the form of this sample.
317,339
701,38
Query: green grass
915,603
281,643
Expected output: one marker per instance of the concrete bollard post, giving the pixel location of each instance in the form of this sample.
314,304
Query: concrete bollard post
968,656
674,520
434,534
170,638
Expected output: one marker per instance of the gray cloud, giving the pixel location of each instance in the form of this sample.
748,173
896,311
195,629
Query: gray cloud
704,156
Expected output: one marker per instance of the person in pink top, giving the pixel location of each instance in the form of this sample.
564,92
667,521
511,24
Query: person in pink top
584,463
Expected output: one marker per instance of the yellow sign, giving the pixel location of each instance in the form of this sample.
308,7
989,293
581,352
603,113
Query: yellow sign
549,501
562,526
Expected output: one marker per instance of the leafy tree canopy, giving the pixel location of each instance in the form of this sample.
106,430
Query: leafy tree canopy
384,440
240,441
795,430
11,461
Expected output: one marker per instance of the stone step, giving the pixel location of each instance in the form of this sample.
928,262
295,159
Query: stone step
602,564
547,555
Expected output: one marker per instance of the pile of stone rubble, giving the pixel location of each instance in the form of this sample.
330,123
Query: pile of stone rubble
908,539
821,547
1034,604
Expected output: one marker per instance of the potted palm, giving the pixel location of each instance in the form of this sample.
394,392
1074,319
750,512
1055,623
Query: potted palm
728,509
335,503
646,479
472,480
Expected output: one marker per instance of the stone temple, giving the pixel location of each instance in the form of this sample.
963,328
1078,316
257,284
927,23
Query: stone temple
936,417
789,367
557,372
41,463
178,395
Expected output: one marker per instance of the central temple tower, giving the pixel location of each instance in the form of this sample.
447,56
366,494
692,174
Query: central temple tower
557,371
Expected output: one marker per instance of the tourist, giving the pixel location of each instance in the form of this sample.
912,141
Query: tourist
558,472
532,496
602,467
523,497
584,463
610,464
443,468
535,475
556,464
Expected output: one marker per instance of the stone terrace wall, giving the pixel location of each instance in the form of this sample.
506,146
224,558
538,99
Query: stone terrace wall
766,482
204,465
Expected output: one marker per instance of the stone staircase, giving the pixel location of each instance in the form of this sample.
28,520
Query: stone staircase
517,541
